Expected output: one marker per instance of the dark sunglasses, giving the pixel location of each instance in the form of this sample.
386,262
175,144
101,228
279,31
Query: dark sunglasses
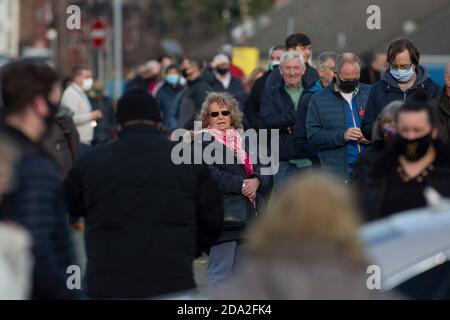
223,113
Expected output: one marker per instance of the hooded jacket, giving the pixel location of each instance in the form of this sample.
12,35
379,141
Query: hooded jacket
388,90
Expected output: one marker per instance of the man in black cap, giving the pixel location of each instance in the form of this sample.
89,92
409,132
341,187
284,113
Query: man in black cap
146,218
301,43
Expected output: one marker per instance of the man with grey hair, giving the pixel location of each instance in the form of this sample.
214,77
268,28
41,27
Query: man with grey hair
301,43
278,111
441,106
326,67
334,118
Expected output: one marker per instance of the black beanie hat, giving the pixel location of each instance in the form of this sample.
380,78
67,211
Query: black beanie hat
137,104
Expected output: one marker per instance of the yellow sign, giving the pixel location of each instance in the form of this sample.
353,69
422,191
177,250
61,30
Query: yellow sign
246,58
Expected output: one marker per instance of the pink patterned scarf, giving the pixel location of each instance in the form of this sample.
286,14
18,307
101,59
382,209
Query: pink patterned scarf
233,141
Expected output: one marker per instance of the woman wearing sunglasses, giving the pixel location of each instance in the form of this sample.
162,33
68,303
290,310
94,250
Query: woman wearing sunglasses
239,180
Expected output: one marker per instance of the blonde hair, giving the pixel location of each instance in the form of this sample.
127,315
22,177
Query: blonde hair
250,82
312,208
222,99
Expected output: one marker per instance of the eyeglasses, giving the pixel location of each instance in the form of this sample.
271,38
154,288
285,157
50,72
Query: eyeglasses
401,67
223,113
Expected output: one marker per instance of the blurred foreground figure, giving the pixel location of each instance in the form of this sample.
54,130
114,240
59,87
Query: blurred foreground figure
15,243
15,263
305,247
416,159
31,92
146,218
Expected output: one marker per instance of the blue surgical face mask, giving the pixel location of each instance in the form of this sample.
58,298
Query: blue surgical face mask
173,79
403,76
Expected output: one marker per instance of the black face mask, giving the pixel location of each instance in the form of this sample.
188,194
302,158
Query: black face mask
184,74
222,71
347,86
413,150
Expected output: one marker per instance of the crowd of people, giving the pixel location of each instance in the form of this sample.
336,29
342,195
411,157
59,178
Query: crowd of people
73,164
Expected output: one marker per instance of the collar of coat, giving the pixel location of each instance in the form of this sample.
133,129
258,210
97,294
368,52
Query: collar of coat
335,90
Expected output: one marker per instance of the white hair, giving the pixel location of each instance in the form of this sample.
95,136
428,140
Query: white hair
290,55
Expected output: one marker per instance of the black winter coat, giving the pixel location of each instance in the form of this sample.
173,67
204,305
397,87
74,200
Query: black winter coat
278,112
253,103
146,218
236,89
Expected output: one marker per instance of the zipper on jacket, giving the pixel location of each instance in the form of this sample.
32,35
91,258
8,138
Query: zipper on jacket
344,107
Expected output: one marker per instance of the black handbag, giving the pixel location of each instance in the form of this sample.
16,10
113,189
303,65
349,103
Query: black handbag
236,212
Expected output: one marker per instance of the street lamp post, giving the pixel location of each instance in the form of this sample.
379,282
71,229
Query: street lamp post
118,48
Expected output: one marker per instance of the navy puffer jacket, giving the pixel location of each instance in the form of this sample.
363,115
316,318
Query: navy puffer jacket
326,124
